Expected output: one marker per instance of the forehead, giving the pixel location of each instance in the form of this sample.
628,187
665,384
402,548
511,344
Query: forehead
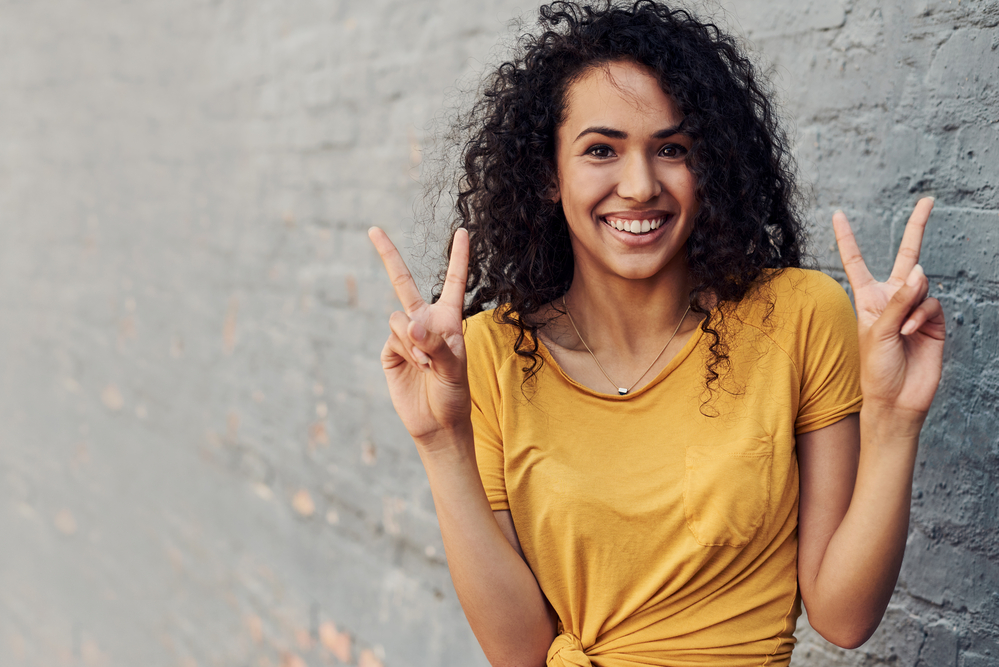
619,94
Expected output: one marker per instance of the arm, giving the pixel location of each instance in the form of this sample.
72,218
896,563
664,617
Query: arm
856,475
424,364
498,592
853,518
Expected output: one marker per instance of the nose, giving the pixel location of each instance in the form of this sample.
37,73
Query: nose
638,180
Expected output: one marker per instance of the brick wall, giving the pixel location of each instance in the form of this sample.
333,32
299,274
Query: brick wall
199,463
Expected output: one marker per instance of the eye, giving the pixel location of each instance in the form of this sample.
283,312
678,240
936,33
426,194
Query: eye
673,151
600,151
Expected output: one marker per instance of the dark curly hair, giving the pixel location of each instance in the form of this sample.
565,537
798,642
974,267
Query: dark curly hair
748,220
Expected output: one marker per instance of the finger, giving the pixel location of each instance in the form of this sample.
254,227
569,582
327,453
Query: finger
396,355
402,279
927,318
912,241
441,358
903,302
392,356
453,292
399,324
849,252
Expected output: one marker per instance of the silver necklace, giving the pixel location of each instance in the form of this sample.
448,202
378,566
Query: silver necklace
621,390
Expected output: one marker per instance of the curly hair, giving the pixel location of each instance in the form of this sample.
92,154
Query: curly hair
748,220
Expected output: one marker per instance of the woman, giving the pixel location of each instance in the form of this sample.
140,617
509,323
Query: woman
655,442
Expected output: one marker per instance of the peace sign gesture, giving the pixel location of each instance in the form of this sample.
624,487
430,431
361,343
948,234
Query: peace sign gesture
424,357
901,330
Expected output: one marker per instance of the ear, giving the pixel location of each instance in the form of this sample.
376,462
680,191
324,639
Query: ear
553,194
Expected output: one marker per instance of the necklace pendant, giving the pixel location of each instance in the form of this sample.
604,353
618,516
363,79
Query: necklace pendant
622,391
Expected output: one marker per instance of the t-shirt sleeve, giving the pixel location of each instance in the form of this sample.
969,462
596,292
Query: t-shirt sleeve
828,354
484,354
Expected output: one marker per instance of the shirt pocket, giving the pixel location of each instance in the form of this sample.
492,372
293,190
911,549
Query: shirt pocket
726,490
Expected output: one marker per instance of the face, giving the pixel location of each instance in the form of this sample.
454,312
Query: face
622,177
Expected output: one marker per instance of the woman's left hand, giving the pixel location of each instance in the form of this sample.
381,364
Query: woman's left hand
901,331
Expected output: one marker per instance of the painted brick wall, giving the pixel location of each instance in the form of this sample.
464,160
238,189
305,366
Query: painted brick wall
199,463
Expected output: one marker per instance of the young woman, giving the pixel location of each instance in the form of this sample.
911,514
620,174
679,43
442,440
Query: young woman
653,446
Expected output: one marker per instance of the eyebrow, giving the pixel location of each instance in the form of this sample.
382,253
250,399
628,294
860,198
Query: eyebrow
618,134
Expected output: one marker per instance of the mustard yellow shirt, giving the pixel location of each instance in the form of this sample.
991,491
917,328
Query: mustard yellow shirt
660,534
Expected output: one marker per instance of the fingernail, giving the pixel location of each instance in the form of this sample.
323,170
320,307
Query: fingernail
838,211
932,198
908,328
418,332
420,357
915,275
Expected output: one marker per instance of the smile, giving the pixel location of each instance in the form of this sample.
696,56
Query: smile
635,226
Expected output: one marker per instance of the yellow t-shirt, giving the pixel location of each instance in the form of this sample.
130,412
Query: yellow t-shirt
661,535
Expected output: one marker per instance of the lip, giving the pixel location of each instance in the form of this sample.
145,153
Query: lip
632,238
636,215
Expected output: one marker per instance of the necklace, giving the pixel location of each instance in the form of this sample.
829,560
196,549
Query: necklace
621,390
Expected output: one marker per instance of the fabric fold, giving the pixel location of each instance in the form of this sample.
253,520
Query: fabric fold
567,651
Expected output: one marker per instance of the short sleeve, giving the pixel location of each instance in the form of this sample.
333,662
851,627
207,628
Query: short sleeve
484,354
828,354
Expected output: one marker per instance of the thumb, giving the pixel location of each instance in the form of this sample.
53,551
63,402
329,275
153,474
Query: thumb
432,351
902,303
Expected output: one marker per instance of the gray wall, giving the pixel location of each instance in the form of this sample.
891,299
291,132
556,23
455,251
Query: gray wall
199,464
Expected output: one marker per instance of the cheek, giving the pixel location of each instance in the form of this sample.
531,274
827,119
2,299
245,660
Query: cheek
580,189
687,189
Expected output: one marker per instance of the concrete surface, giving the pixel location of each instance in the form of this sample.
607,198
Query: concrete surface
199,464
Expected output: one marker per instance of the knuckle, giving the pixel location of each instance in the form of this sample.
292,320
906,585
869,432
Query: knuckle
852,260
401,278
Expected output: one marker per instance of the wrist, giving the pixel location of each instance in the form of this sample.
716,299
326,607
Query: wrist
447,442
885,425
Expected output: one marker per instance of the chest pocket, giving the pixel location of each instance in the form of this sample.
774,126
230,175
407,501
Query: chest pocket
726,490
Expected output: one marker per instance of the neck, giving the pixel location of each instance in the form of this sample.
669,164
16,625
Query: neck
632,317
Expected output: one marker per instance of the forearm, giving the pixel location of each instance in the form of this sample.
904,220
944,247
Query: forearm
500,596
854,582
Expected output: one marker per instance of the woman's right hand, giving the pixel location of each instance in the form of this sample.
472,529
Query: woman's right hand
424,357
424,362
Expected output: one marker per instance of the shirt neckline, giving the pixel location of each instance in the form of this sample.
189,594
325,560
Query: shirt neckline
673,364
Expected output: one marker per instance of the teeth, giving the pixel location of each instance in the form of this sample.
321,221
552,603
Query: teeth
635,226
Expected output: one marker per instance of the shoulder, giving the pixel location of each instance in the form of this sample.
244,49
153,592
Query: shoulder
488,338
800,311
796,295
490,350
802,286
488,326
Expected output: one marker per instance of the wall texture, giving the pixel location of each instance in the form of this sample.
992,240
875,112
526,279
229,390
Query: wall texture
199,463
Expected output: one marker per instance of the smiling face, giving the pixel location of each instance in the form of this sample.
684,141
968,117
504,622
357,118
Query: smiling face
622,177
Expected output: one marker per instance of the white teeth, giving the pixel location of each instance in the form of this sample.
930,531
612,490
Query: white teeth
635,226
